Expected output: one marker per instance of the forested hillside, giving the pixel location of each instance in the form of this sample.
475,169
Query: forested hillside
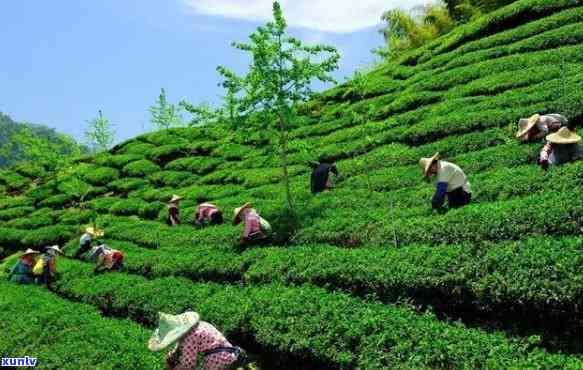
10,153
367,276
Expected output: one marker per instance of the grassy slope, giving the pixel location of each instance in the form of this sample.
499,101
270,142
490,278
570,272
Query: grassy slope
514,252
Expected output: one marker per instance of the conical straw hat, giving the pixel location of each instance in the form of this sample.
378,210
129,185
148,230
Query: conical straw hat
237,213
564,136
425,163
171,328
95,232
30,251
526,126
175,198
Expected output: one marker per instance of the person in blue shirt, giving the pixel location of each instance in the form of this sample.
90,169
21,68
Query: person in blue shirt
21,273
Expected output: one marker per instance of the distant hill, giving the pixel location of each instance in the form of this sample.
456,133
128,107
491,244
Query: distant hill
8,127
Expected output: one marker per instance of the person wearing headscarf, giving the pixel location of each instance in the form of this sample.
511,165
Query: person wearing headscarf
208,214
195,343
106,259
561,147
21,273
86,239
256,230
452,182
49,265
320,179
537,127
174,211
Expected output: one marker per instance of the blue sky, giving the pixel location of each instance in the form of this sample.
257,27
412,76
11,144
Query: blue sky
63,60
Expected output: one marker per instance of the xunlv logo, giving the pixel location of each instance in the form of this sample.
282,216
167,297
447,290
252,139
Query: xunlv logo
19,361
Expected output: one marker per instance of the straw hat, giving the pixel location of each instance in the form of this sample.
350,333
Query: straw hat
524,126
425,163
171,328
55,248
175,198
237,213
95,232
29,251
564,136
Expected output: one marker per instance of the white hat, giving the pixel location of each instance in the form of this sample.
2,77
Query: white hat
425,163
30,251
55,248
171,328
237,213
175,198
524,126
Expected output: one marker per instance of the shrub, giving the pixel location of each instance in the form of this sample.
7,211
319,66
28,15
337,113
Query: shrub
140,168
116,161
170,152
100,175
13,181
127,185
57,201
172,178
197,165
16,212
134,206
137,148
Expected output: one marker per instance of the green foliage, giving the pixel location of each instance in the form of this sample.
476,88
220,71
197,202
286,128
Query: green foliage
140,168
280,76
99,134
164,114
127,184
13,181
93,339
133,206
196,165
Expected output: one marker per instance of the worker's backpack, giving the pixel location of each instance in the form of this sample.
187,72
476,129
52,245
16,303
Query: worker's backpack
39,267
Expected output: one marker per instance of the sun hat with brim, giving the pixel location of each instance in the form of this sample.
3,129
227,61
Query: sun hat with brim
30,251
175,198
171,328
237,213
55,248
564,136
425,163
95,232
526,125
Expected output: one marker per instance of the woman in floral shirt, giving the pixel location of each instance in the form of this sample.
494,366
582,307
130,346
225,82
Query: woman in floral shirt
197,341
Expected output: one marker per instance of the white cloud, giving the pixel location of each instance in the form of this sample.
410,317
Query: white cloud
339,16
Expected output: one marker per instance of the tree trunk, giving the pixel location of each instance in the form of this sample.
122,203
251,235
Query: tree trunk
283,157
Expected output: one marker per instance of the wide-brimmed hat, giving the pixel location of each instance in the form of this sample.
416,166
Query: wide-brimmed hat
171,328
95,232
29,251
237,213
564,136
524,126
55,248
175,198
425,163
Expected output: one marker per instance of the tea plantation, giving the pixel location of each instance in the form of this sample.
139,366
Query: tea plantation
369,277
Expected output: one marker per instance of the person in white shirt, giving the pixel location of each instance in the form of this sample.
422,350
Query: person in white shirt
452,182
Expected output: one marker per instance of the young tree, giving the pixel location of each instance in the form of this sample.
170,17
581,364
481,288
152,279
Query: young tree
164,114
202,114
281,75
99,133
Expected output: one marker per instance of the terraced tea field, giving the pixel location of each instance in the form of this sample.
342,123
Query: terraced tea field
370,277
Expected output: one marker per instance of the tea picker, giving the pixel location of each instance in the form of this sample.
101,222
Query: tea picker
173,218
106,259
195,342
86,239
452,182
45,268
21,273
320,178
257,229
537,126
561,147
208,214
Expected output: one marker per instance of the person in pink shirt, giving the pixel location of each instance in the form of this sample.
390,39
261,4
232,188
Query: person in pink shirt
257,229
208,214
197,342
